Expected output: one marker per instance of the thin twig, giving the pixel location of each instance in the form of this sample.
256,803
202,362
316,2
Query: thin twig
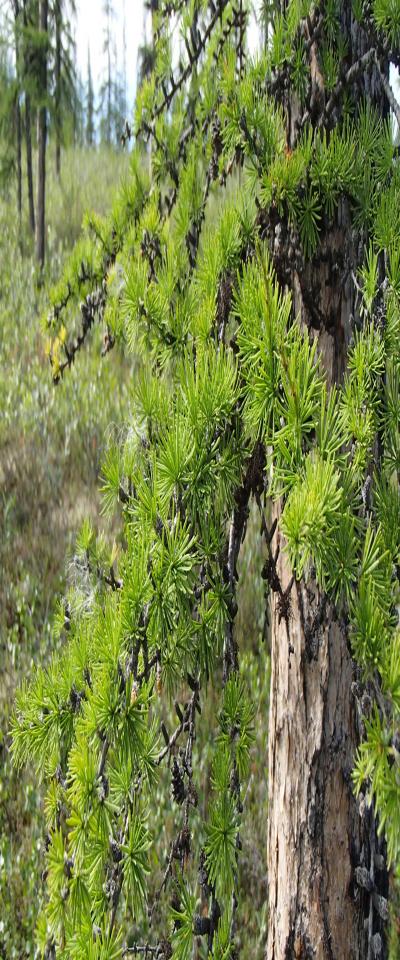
177,83
352,73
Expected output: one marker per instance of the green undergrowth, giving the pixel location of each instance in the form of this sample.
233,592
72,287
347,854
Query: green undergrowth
51,443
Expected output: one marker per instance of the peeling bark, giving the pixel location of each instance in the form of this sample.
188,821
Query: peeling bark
317,839
314,824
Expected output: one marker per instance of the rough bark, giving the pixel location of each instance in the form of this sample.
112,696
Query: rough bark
317,838
315,832
314,835
321,844
42,134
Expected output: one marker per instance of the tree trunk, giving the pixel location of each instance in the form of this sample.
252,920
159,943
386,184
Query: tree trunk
58,88
19,159
90,106
29,165
28,130
42,130
109,93
18,114
124,75
322,843
318,834
315,830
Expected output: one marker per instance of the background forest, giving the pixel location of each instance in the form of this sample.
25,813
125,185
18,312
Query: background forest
53,439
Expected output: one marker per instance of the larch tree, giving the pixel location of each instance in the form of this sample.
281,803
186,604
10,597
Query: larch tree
10,100
255,277
63,81
15,99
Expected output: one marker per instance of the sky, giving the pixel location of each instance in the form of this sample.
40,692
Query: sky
90,33
90,24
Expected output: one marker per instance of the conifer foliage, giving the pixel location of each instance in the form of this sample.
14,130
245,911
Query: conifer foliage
253,163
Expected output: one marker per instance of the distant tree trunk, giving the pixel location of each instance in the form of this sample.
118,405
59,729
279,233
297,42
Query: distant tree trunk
19,158
317,837
109,93
16,8
90,106
124,76
29,165
58,86
28,131
42,132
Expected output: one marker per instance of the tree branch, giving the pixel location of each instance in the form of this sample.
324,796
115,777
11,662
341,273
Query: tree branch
389,92
177,83
352,74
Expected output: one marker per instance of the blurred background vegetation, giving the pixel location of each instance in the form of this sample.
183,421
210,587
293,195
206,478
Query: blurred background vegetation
51,442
